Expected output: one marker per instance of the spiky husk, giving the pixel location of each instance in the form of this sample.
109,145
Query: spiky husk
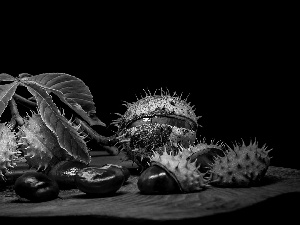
8,149
186,174
39,145
244,165
139,142
154,105
203,154
153,122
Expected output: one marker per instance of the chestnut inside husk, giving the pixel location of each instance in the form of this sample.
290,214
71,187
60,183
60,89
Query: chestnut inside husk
146,134
205,158
156,180
153,122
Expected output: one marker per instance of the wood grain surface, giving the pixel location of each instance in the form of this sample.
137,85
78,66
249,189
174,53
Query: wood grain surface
128,204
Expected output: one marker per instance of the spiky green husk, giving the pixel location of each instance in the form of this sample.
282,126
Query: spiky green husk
139,142
154,105
185,172
153,122
244,165
39,144
204,153
8,149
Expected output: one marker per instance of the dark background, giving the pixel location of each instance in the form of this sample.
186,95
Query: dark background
239,71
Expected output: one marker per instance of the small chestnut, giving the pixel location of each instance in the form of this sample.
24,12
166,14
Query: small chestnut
64,173
95,180
206,158
155,180
36,187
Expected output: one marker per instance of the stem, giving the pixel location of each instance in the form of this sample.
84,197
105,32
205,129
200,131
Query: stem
102,140
15,116
107,143
25,102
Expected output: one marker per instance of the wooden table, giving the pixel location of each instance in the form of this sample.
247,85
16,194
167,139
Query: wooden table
272,200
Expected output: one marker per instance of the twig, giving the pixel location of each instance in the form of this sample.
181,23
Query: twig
24,101
107,143
15,116
93,134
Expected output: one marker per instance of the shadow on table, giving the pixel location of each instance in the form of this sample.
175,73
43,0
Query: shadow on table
276,209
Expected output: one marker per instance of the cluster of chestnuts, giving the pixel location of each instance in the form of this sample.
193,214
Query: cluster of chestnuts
103,180
158,133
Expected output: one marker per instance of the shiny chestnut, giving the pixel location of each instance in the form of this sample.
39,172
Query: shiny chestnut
205,158
156,180
98,181
36,187
64,173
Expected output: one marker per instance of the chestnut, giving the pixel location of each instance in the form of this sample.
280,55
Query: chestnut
36,187
171,173
156,180
64,173
99,181
205,158
124,170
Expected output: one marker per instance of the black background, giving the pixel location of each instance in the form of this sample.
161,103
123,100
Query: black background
237,70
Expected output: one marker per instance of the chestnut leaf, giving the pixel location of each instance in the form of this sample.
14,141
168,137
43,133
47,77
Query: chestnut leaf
71,91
